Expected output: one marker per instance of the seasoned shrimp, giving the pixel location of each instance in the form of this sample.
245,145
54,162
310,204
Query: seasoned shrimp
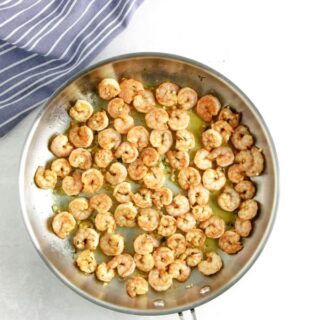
212,265
60,146
223,128
125,215
246,189
157,118
186,222
144,102
178,120
243,227
124,264
72,185
214,227
100,202
127,152
207,107
223,156
163,257
179,270
154,179
178,159
123,123
159,280
104,221
144,262
109,139
229,199
214,179
137,170
148,219
63,223
108,88
202,159
236,173
122,192
117,108
184,140
258,163
45,178
192,256
162,140
80,158
230,242
92,180
167,226
80,137
139,137
196,238
179,205
79,208
202,213
166,94
145,243
233,118
116,174
242,138
149,156
188,177
177,242
111,244
98,121
198,195
81,111
142,198
86,238
211,139
103,157
104,273
187,98
136,286
129,89
162,197
248,209
245,159
86,261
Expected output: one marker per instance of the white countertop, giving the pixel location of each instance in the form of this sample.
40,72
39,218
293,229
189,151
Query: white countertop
271,51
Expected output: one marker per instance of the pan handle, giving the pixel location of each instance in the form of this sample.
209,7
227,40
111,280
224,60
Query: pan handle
193,315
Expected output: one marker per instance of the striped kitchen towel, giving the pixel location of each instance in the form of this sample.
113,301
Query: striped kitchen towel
45,42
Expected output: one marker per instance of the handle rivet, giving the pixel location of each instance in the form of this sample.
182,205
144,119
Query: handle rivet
159,303
204,290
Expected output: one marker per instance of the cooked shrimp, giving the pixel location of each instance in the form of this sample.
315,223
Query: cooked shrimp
243,227
167,226
129,89
207,107
45,178
109,139
62,224
103,157
244,159
116,174
196,238
122,192
229,199
177,242
187,98
149,156
123,123
233,118
230,242
79,208
142,198
80,137
223,128
162,140
236,173
186,222
145,243
124,264
144,102
137,170
202,159
157,118
178,159
60,146
72,185
258,163
212,265
192,256
246,189
223,156
166,94
211,139
144,262
179,205
202,213
139,137
86,261
104,273
242,138
198,195
80,158
160,280
148,219
127,152
163,257
100,202
98,121
92,180
125,215
81,111
136,286
104,221
248,209
154,179
214,227
179,270
188,177
108,88
117,108
178,120
86,238
214,179
162,197
111,244
184,140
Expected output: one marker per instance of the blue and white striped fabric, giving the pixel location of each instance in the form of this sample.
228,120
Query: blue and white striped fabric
45,42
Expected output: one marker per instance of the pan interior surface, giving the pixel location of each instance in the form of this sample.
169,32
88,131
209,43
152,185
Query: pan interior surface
151,69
